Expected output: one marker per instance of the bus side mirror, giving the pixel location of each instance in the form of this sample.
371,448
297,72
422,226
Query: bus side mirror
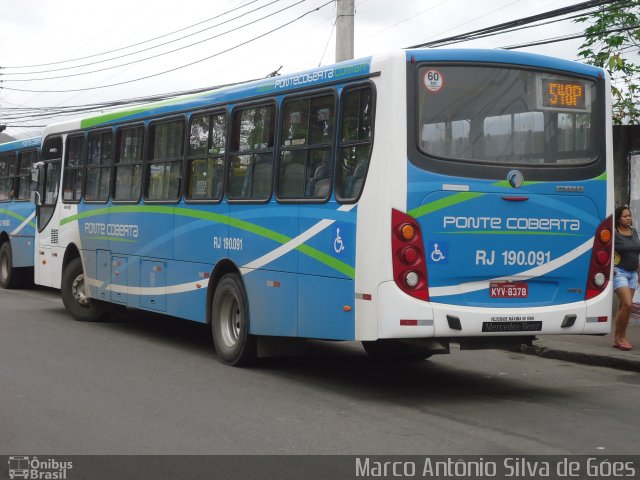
36,185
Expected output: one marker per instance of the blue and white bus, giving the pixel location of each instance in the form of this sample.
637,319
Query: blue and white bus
17,213
407,200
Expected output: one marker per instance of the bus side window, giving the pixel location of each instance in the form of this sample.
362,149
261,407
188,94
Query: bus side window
129,164
73,169
25,161
251,169
306,148
164,169
356,139
99,160
7,174
207,145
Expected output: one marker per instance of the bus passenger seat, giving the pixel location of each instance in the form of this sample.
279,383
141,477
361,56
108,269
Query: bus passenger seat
322,182
262,179
293,181
354,183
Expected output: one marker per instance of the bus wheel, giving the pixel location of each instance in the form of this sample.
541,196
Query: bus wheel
74,297
230,323
395,350
8,277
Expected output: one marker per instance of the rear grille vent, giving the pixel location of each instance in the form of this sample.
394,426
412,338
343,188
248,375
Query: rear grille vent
54,235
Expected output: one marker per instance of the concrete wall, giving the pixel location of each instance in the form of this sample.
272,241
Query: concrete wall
626,139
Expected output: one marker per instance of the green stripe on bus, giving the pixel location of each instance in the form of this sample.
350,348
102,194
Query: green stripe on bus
443,203
222,219
110,117
328,260
465,196
15,215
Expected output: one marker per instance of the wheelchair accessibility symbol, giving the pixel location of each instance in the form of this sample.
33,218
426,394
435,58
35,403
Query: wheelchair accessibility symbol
338,244
438,252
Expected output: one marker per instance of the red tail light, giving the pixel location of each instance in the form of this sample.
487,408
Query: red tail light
600,264
409,265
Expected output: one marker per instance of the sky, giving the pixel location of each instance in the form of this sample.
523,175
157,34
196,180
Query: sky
233,42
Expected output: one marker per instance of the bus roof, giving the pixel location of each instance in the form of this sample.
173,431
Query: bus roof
20,144
228,94
504,56
316,77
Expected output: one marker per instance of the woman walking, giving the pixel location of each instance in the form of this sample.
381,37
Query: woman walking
625,273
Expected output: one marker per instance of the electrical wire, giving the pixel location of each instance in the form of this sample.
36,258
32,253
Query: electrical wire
564,38
146,58
140,43
176,68
515,23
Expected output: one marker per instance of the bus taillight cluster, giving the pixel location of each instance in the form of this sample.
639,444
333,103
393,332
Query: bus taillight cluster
409,265
600,264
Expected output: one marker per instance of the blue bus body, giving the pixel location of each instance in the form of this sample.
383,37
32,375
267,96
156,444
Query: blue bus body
17,222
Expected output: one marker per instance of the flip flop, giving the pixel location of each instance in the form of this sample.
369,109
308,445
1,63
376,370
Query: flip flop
622,346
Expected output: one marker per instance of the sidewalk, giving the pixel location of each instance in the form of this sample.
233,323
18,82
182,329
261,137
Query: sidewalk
590,350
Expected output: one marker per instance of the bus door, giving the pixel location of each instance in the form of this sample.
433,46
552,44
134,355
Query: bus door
46,264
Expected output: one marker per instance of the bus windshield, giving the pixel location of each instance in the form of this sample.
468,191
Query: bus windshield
502,115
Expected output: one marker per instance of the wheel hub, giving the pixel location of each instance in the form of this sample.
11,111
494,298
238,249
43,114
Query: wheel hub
77,290
4,267
231,321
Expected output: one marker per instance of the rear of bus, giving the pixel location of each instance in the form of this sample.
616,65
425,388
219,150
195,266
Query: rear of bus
507,228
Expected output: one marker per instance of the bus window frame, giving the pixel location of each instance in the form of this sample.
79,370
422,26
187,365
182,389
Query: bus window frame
221,109
100,131
147,161
485,170
306,95
117,132
236,108
28,175
65,158
14,155
374,100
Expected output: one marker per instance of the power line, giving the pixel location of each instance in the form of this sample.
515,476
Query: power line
53,112
524,27
176,68
146,58
140,43
564,38
515,23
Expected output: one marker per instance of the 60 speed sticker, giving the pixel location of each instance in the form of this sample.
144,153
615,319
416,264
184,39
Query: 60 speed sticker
433,80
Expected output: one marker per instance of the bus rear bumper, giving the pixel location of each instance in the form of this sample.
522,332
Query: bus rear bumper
401,316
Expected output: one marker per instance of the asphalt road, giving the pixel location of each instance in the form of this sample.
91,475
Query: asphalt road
146,384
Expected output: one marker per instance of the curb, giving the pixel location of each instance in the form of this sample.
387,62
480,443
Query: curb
583,358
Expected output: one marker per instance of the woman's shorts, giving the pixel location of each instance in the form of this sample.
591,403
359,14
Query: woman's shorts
624,278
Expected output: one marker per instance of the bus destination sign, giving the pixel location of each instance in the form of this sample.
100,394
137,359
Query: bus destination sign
563,94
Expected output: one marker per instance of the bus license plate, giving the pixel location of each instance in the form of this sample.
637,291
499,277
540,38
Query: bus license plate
508,290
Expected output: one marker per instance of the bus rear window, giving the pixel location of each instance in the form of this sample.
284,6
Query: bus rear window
506,116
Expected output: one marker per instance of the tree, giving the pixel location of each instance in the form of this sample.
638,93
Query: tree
612,41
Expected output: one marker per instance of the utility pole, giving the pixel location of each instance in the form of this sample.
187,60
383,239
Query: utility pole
344,30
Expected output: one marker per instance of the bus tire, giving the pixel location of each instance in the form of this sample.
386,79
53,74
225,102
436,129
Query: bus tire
230,323
75,300
395,350
8,274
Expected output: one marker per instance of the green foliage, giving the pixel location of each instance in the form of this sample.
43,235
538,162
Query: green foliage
612,41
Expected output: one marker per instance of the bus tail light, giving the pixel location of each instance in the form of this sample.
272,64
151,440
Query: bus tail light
600,264
409,265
